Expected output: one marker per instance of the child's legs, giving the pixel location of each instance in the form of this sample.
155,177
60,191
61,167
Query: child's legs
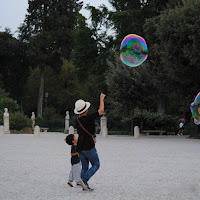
85,164
93,157
76,170
71,175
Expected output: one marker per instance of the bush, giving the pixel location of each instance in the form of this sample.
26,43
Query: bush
156,121
19,121
117,122
53,124
9,103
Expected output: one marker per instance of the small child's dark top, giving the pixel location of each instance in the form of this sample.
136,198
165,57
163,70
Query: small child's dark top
74,159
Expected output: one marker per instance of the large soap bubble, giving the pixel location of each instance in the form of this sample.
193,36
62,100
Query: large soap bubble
133,50
195,109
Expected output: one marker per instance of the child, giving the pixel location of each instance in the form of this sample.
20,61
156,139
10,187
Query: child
75,173
181,126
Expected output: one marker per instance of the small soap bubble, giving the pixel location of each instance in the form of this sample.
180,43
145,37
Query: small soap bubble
133,50
195,109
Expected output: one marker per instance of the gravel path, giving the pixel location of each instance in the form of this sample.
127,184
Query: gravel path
149,168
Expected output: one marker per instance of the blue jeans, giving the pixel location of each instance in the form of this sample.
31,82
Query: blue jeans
86,157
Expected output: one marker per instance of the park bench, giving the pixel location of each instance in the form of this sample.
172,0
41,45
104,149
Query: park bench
147,132
44,129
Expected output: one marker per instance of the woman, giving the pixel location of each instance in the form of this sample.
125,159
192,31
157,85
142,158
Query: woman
85,124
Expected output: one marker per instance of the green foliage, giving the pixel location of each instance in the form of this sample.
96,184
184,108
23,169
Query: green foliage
6,102
53,124
173,38
63,88
48,29
14,65
85,50
49,112
117,122
130,87
19,121
156,121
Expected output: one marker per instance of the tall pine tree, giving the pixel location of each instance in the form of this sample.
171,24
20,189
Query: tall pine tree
48,28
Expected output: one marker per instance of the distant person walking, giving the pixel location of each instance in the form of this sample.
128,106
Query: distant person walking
181,125
85,124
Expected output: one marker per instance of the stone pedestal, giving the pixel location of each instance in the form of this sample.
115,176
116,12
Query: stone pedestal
1,130
37,131
136,132
6,121
103,123
105,132
71,130
67,121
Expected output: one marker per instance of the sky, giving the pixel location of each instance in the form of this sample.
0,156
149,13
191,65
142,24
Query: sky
12,12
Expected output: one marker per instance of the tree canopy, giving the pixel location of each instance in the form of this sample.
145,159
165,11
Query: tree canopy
55,37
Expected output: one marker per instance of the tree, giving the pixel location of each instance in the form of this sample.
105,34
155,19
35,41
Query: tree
173,47
48,28
130,87
63,88
85,49
14,65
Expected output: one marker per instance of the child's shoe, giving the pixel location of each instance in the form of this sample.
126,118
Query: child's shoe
70,184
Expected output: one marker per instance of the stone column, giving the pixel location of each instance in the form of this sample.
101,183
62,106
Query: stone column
37,131
105,132
103,122
71,130
33,120
1,130
6,121
136,132
67,121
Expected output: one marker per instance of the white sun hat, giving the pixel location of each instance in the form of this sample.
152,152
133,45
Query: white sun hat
81,106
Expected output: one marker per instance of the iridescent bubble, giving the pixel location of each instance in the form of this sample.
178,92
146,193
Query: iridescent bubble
133,50
197,99
196,122
195,109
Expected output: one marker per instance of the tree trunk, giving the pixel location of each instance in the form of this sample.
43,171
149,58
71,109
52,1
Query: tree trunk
161,106
41,93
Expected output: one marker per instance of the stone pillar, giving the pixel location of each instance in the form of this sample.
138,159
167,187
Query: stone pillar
37,131
67,121
33,120
1,130
71,130
103,122
105,132
6,121
136,132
